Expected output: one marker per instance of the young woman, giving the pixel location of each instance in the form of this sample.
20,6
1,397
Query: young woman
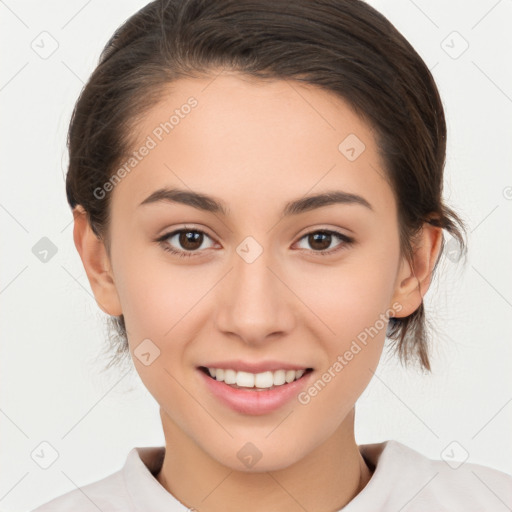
257,196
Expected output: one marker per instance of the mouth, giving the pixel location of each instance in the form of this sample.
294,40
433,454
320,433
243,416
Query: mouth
254,393
263,381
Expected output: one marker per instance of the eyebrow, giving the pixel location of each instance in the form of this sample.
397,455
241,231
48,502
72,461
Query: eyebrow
213,205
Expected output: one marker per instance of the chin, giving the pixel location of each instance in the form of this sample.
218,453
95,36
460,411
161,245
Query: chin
252,457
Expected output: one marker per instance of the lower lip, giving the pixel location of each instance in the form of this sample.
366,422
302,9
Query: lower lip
255,402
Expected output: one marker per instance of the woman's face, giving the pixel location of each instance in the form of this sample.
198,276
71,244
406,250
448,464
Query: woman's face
256,286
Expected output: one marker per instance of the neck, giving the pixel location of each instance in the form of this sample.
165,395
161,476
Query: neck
326,479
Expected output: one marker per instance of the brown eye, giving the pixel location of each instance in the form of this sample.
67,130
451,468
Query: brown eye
187,242
190,240
321,240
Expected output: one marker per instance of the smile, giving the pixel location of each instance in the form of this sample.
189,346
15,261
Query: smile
254,393
263,380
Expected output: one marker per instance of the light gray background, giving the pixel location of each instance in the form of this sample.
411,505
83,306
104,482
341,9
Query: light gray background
52,330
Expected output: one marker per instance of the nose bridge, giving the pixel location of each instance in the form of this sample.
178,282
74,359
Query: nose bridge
254,302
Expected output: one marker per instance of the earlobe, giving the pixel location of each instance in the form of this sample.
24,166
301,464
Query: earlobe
96,263
414,278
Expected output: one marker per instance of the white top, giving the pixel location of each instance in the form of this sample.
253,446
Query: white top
403,480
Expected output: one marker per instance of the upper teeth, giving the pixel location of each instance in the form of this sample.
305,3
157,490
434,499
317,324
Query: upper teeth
258,380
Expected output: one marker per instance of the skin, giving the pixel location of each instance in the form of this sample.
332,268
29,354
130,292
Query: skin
256,145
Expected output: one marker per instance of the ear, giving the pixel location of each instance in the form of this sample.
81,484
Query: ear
96,263
413,278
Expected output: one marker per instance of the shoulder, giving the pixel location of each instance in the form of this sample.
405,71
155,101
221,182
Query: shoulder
405,478
134,487
450,483
107,494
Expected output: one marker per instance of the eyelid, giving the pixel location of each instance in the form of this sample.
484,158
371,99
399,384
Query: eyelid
331,229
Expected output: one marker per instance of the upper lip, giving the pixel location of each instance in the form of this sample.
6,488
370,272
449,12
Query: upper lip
255,367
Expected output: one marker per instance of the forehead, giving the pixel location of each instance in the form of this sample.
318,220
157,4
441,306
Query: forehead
245,140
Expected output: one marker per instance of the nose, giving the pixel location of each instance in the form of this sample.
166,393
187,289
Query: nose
254,302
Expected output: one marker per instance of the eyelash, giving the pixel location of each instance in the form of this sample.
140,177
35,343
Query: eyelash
347,241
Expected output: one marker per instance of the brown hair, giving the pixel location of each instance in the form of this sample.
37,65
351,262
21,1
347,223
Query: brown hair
342,46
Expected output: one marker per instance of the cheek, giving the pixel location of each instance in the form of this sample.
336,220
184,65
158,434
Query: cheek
353,304
156,296
158,302
355,314
350,298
